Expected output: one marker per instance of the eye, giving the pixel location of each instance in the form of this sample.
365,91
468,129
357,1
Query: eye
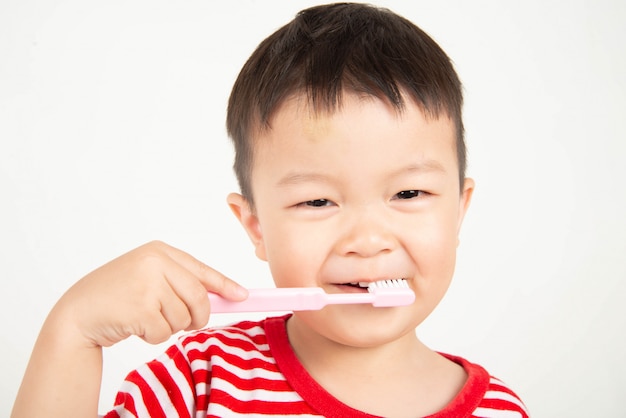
316,203
409,194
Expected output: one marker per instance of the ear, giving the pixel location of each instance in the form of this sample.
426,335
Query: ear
250,222
464,201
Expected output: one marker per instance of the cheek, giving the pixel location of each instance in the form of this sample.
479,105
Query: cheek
434,246
294,255
435,258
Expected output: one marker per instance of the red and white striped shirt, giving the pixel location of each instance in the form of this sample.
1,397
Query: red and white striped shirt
249,369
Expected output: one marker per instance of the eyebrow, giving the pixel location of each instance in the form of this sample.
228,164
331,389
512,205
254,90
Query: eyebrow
426,166
295,178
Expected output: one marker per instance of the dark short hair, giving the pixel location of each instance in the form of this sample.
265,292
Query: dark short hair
331,49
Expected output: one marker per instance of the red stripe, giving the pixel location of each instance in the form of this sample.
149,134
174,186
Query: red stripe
258,406
148,396
123,400
112,414
208,344
498,387
175,395
231,358
202,336
503,405
202,403
252,383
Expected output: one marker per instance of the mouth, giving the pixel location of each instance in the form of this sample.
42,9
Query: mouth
363,286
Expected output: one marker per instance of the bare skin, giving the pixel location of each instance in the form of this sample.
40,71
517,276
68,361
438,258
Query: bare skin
374,380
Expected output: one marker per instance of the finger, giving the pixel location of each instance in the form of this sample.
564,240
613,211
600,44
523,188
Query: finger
190,292
155,329
211,279
176,312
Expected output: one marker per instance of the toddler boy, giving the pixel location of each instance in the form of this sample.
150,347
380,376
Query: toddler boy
351,161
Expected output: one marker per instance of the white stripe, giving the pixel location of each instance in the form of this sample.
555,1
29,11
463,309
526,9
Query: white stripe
255,394
202,388
245,355
159,391
122,412
238,352
241,337
496,394
222,411
202,364
244,374
135,393
495,381
215,341
494,413
253,331
248,335
180,381
248,373
200,414
227,330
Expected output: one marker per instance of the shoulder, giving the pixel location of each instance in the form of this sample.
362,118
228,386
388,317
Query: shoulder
483,395
245,330
213,360
500,397
245,336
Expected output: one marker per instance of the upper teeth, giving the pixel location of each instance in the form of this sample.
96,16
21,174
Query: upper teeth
376,283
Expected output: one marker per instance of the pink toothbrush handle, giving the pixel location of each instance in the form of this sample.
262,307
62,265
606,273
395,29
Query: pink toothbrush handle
268,300
308,299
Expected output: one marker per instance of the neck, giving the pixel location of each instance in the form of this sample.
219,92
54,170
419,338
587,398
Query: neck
373,378
322,356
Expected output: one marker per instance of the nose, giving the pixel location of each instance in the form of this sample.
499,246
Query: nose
366,234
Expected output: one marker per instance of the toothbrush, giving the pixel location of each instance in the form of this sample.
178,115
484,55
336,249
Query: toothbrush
384,293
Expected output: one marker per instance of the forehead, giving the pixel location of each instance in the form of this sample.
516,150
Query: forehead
299,109
360,122
298,114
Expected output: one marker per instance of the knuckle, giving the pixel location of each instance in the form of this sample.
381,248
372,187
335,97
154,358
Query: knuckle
156,334
182,322
156,244
156,338
151,260
219,283
204,270
198,297
156,248
200,320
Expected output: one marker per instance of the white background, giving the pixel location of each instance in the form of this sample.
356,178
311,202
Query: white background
112,134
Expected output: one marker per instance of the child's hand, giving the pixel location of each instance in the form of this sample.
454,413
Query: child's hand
152,291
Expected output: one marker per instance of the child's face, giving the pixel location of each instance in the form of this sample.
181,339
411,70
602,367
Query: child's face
362,194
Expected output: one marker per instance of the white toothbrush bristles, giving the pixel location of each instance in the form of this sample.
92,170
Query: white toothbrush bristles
395,292
389,284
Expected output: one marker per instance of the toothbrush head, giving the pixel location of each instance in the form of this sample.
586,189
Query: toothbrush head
394,292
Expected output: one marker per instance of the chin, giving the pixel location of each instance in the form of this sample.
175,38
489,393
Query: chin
360,326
